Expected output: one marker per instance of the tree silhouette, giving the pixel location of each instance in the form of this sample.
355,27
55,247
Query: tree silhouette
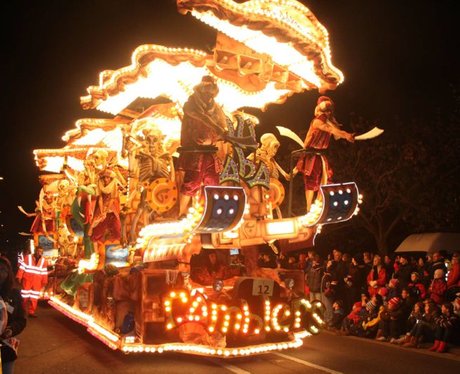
408,177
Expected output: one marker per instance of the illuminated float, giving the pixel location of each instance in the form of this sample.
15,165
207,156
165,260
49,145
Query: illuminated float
138,258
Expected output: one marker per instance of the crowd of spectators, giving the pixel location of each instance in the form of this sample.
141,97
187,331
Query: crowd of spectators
404,300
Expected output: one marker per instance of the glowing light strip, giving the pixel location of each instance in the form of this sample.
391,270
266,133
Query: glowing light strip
176,82
114,341
102,331
70,312
138,53
282,54
311,218
212,351
103,339
99,332
310,30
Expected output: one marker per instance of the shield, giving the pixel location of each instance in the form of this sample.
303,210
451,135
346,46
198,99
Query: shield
162,195
276,192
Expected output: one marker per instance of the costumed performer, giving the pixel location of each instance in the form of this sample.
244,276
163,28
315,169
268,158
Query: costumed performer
313,164
203,125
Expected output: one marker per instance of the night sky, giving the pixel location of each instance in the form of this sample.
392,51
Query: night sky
398,57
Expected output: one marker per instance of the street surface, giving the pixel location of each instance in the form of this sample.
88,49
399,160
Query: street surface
53,343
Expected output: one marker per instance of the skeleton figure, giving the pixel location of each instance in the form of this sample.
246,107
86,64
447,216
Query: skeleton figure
266,154
95,164
154,161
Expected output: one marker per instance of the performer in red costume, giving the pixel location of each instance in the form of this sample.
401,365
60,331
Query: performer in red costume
313,164
203,126
33,276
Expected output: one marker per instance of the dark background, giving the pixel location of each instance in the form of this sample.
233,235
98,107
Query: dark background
398,58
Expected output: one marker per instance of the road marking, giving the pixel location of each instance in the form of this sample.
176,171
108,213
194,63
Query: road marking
307,363
232,368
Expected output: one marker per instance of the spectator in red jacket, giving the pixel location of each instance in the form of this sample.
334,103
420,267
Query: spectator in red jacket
350,323
376,277
438,287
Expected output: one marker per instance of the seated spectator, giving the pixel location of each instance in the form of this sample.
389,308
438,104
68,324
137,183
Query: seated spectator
376,277
424,328
417,289
445,326
438,287
338,315
350,323
407,303
391,321
415,315
371,317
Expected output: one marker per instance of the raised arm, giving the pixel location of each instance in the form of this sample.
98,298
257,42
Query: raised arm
332,129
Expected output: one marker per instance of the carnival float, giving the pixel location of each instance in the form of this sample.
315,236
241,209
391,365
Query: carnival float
157,214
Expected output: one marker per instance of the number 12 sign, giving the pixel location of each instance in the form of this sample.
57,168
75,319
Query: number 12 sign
261,286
